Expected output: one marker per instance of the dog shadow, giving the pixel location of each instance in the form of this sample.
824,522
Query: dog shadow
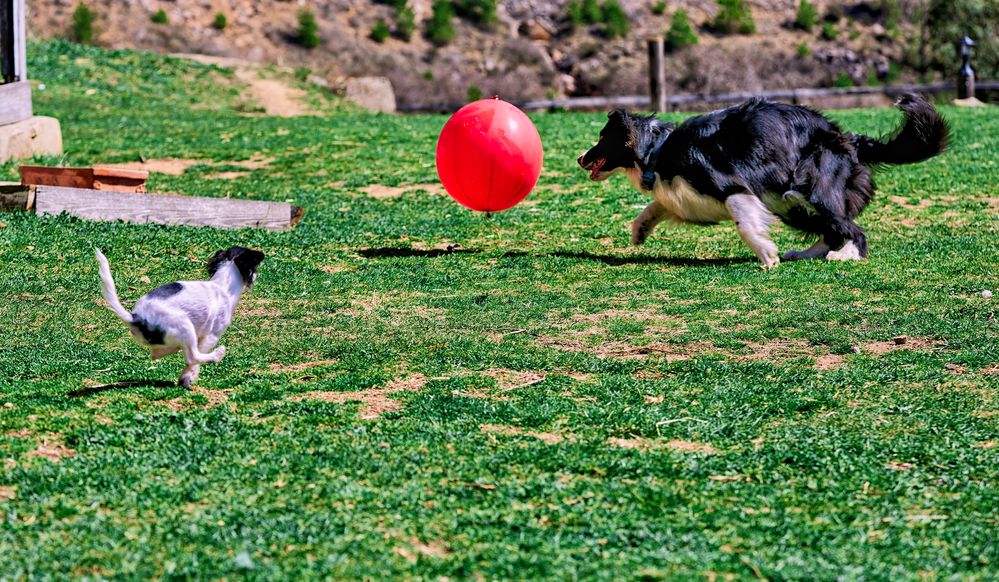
400,252
619,260
91,390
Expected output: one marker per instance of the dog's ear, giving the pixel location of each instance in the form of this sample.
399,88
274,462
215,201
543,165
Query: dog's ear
247,261
216,261
617,115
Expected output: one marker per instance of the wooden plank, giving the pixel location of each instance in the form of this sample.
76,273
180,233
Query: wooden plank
163,209
15,102
657,74
20,45
16,197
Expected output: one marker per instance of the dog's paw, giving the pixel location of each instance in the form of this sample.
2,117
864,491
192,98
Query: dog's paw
638,234
849,252
769,262
185,381
218,353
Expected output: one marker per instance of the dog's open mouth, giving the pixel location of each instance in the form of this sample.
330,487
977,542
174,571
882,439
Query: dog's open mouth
595,167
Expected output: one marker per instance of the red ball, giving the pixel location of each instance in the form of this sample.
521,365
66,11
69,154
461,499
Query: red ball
489,155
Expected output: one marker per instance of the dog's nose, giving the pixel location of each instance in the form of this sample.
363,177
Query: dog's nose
580,160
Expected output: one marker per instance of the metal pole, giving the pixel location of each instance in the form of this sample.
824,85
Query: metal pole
7,41
657,74
966,76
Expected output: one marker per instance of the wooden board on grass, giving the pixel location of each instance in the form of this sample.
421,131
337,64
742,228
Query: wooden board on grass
163,209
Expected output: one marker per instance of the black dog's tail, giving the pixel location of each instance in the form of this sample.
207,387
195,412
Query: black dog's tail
922,135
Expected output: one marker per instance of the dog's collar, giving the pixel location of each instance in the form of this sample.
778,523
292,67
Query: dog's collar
648,165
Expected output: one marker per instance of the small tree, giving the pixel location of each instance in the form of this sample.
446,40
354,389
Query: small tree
481,12
308,29
807,16
160,17
474,93
379,32
405,23
659,8
574,13
440,29
220,22
83,24
829,31
615,20
680,33
734,17
592,13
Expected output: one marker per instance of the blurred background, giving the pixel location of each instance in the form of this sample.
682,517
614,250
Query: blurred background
435,54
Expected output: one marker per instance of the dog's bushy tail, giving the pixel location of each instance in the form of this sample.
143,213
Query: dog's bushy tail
922,135
108,289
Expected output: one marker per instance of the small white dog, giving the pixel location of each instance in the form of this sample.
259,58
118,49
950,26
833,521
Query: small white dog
187,316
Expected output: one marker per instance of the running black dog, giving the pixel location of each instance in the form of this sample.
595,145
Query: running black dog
760,161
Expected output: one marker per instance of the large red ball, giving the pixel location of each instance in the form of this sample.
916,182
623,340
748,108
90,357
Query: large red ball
489,155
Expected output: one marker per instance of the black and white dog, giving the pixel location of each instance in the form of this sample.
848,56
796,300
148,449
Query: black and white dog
758,162
187,316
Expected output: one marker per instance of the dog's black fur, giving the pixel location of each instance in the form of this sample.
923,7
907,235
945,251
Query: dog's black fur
246,260
762,147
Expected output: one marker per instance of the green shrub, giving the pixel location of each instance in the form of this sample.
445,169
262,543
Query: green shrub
615,20
405,23
83,24
308,29
807,16
680,33
803,50
481,12
891,11
474,93
160,17
574,13
735,16
947,21
220,22
440,29
659,8
843,80
592,13
379,32
829,31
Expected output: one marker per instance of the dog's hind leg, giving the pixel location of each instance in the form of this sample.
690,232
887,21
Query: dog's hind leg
646,222
753,220
194,356
819,250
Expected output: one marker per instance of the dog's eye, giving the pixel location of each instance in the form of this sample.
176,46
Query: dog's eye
601,138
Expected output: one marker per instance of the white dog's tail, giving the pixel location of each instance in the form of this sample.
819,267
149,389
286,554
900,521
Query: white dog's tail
108,290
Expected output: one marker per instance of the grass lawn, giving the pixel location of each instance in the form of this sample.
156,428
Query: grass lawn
547,402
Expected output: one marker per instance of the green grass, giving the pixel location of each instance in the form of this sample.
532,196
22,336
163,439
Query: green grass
877,466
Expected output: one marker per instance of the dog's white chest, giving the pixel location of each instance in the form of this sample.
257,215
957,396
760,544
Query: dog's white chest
682,201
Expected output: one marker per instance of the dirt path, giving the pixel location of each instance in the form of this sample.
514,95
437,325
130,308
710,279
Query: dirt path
276,96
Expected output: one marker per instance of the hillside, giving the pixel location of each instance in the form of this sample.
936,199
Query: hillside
532,50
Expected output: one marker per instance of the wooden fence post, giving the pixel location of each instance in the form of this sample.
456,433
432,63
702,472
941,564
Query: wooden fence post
657,74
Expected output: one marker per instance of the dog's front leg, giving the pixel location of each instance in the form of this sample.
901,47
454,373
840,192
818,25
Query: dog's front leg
753,220
646,222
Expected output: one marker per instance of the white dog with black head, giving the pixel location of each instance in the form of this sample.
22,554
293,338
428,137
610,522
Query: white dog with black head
187,316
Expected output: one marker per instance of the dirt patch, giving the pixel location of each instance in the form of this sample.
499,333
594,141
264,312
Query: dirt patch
227,175
899,466
624,351
18,434
214,398
507,380
374,401
829,361
335,268
642,444
177,166
433,549
381,192
548,438
7,493
51,448
279,368
276,97
899,343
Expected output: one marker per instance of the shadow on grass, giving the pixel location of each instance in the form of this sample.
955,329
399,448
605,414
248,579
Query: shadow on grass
618,260
397,252
91,390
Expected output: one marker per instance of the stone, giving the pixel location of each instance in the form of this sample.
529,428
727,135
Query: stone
371,93
35,136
